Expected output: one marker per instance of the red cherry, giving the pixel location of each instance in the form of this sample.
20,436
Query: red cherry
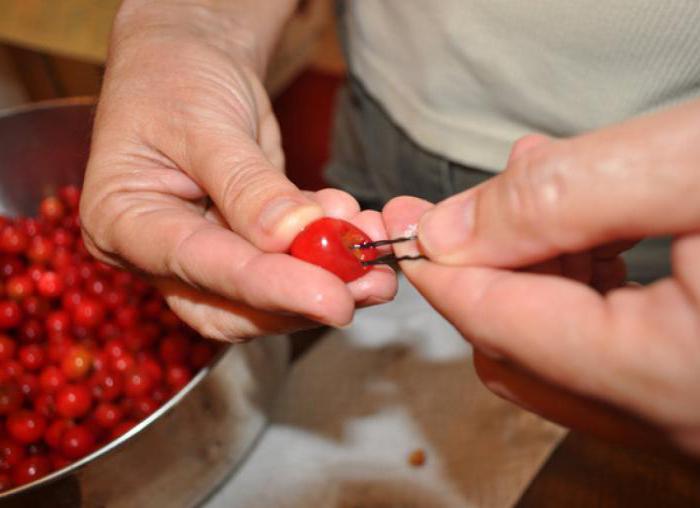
19,287
58,347
11,453
143,407
35,307
108,415
177,376
152,368
51,379
54,432
89,313
174,349
137,382
5,482
31,331
73,401
52,209
13,239
106,386
77,442
123,363
10,314
62,238
30,469
45,405
10,265
77,362
70,195
11,398
28,384
328,243
58,322
25,426
31,225
7,348
50,285
122,429
32,356
40,250
58,461
127,316
200,354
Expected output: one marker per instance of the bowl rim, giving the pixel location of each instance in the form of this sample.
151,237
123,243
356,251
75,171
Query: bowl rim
61,102
158,413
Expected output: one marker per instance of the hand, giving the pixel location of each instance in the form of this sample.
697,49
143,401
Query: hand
553,344
181,119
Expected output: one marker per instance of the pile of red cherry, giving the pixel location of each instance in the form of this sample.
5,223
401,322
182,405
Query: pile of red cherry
86,350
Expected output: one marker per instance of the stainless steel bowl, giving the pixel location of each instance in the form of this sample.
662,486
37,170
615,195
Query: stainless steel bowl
178,455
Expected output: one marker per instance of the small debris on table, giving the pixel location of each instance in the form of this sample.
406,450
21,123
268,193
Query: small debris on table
417,457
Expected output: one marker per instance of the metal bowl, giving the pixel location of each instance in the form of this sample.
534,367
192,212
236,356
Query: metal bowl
179,454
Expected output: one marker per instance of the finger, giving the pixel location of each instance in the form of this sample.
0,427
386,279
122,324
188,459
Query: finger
378,285
336,203
613,348
163,237
219,319
563,407
622,182
525,144
256,198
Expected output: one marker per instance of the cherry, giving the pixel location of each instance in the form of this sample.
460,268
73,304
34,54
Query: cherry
58,322
11,453
54,432
77,441
13,239
30,469
106,386
122,428
32,356
73,401
177,376
174,349
108,415
7,348
70,195
329,242
50,284
5,482
52,209
11,398
10,314
19,287
51,379
25,426
77,362
88,313
137,382
40,250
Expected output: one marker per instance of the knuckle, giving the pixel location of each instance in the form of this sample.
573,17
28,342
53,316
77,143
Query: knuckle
536,193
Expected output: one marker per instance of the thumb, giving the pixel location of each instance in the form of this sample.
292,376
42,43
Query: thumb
254,196
624,182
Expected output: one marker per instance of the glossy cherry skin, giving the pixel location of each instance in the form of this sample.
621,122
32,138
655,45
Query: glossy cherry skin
329,242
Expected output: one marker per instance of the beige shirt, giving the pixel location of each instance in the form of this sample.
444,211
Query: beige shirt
465,78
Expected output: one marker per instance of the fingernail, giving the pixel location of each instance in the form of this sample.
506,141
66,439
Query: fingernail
287,216
445,229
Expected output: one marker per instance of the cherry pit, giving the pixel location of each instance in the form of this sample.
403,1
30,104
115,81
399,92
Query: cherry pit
86,350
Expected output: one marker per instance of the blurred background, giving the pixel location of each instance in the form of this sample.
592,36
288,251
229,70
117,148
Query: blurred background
51,49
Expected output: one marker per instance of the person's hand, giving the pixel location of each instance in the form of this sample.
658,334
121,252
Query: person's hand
183,117
590,359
